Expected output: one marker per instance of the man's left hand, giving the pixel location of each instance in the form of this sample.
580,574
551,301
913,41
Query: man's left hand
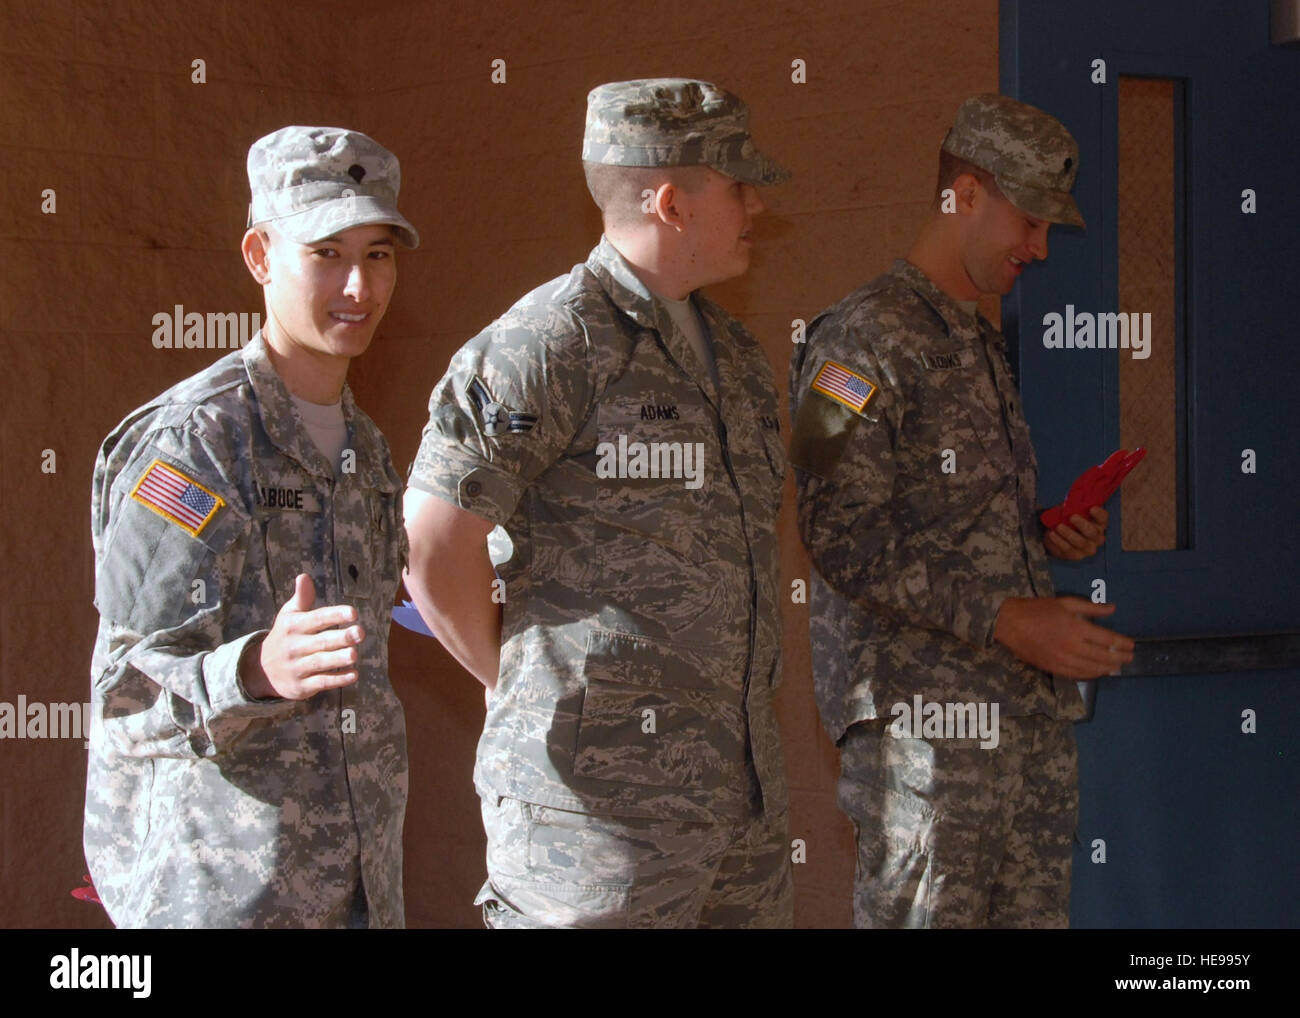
1079,539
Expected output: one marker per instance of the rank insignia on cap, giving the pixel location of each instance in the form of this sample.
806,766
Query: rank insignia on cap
844,386
181,499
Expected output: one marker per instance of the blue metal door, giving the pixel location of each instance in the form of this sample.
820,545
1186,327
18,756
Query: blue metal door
1190,784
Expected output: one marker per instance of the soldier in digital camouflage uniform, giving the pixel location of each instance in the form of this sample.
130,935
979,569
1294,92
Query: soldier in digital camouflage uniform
247,755
916,493
629,766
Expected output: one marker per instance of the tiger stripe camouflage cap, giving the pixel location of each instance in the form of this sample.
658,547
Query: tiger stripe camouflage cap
313,182
674,122
1031,155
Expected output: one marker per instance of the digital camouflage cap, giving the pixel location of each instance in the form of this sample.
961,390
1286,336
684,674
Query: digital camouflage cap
1031,155
674,122
313,182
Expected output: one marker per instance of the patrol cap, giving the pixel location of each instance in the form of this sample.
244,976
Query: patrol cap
674,122
1031,155
313,182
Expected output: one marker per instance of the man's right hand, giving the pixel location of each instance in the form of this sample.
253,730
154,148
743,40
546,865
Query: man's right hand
1054,634
308,649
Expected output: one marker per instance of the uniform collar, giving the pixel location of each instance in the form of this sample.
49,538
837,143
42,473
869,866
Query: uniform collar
625,289
960,322
633,298
285,428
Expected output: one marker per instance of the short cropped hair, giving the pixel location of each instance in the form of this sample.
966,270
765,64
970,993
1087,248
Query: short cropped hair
951,167
617,190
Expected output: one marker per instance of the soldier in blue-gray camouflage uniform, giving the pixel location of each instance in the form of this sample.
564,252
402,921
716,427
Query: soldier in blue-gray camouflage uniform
619,431
247,753
916,491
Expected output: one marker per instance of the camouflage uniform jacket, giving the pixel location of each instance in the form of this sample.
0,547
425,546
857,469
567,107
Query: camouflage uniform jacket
640,634
205,807
919,511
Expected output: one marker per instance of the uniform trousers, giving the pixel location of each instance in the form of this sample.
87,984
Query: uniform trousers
551,867
950,834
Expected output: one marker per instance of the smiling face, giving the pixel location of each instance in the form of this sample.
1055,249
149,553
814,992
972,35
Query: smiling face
718,219
1000,240
323,300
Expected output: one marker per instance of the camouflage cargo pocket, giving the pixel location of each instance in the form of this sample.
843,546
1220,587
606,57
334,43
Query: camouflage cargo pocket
652,714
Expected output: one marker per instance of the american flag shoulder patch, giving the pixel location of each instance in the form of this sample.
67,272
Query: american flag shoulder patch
181,499
844,386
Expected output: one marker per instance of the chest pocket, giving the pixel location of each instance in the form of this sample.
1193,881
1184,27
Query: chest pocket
956,429
369,539
292,511
658,499
350,542
655,461
374,542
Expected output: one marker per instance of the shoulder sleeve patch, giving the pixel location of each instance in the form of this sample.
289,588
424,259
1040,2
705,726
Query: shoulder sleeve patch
845,386
164,531
177,497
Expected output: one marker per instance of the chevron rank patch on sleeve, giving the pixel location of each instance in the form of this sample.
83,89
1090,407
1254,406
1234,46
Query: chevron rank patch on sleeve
497,418
844,386
181,499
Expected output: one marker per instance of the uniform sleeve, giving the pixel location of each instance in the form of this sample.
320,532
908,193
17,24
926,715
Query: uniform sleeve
171,536
509,405
847,471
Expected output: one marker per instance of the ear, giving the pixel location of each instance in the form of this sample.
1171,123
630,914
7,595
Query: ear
256,250
666,205
967,187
